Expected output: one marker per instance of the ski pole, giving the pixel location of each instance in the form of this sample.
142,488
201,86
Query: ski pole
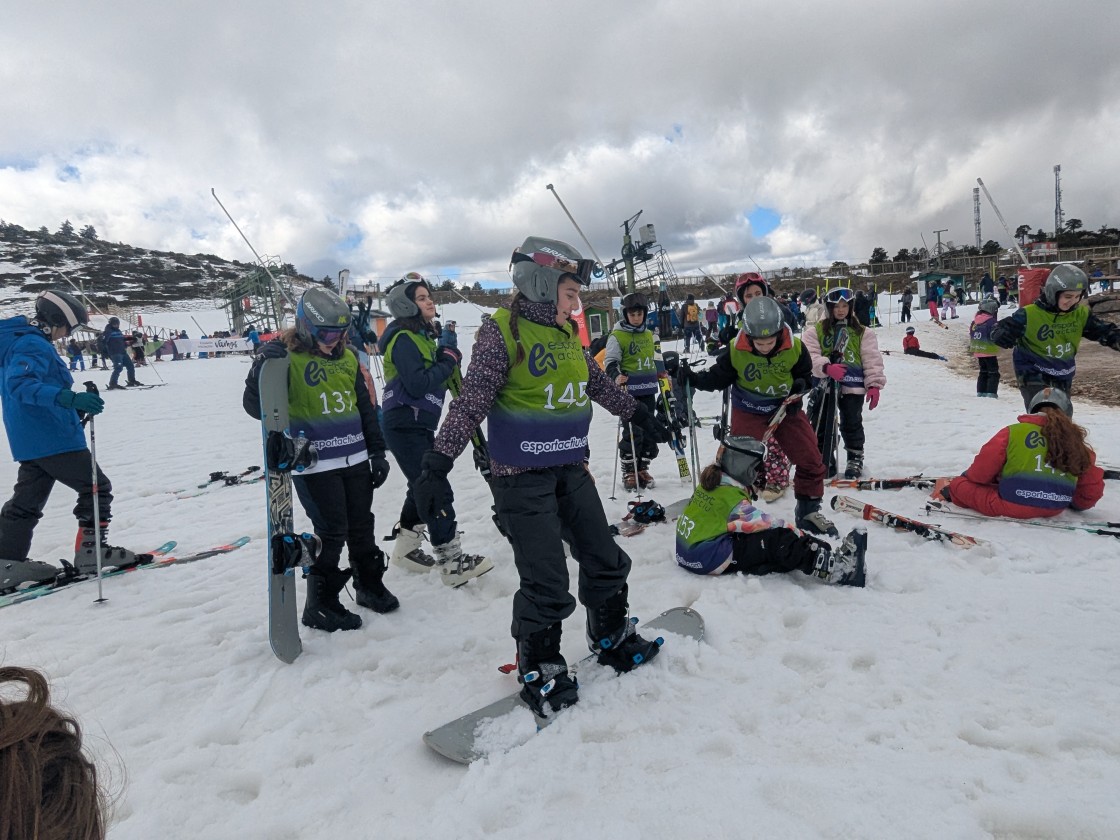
92,388
614,472
692,446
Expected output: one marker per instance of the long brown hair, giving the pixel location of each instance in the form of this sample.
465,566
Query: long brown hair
514,313
48,786
1065,442
851,322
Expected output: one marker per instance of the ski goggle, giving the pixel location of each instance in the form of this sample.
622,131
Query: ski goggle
837,295
328,335
580,269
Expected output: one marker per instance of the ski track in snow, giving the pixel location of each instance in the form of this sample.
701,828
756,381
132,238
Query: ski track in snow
961,694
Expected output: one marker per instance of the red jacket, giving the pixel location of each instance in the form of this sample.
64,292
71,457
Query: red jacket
910,342
977,488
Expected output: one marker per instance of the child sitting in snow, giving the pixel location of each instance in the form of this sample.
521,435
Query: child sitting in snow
721,531
911,346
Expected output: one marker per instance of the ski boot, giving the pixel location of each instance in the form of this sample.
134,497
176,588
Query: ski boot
408,553
133,383
112,557
369,585
645,480
808,517
772,492
843,566
855,464
456,568
611,635
546,685
323,610
21,574
629,474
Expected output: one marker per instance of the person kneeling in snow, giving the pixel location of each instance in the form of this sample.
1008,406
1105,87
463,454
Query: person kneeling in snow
721,531
1038,466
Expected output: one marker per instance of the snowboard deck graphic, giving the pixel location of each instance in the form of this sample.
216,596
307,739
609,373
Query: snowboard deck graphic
459,741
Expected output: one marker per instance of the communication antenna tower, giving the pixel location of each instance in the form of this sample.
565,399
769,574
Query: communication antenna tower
1059,217
976,213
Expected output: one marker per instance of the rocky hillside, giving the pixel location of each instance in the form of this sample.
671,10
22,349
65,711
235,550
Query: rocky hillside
112,274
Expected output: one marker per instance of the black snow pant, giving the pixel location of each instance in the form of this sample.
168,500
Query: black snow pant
851,426
851,421
906,316
339,503
34,483
774,550
987,381
408,442
645,446
537,511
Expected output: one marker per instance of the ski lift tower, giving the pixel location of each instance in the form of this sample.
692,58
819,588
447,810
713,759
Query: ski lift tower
255,299
652,266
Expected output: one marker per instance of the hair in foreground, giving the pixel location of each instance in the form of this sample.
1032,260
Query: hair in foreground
48,785
1065,442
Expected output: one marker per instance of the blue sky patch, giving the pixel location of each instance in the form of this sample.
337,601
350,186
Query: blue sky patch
763,220
68,173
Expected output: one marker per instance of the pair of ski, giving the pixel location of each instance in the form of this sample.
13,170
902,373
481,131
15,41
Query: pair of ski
222,479
161,559
482,732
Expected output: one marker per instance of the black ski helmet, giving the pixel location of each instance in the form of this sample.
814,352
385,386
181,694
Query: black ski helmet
537,266
808,297
635,300
740,458
56,308
321,316
114,322
1064,278
989,305
1051,396
762,318
401,297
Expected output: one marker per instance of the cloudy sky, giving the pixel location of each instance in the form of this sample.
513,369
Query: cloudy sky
395,136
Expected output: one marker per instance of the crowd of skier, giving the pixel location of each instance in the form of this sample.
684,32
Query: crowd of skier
795,372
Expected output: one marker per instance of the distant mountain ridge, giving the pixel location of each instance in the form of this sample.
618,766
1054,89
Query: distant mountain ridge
112,274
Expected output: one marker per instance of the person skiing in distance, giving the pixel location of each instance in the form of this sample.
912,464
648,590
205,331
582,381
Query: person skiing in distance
42,417
114,345
1047,333
912,347
328,404
711,316
776,467
949,302
933,299
721,531
417,373
1003,287
763,366
629,362
534,382
690,322
1038,466
449,337
860,373
981,346
906,299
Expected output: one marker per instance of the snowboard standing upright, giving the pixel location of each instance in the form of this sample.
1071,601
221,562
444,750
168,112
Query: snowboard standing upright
283,618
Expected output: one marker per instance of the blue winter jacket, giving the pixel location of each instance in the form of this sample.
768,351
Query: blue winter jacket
113,341
31,375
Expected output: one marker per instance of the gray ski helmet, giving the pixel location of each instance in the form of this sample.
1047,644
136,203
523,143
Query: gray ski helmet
989,305
1052,396
321,316
741,457
1064,278
57,308
401,297
762,318
537,266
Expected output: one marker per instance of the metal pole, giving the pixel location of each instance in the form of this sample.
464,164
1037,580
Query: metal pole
563,207
263,264
92,388
999,216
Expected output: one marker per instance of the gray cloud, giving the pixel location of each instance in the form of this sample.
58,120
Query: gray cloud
395,136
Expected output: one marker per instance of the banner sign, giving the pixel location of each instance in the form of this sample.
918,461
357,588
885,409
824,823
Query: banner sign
212,345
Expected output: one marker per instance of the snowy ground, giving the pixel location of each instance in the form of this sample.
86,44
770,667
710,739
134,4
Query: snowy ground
959,695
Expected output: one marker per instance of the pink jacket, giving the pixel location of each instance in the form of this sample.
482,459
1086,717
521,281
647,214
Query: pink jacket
874,376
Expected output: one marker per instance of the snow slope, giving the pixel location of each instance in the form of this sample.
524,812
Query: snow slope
960,694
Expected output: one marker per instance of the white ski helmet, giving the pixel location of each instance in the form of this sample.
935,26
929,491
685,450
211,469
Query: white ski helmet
401,297
537,266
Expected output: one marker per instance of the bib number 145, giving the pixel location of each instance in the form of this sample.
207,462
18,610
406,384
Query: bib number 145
567,399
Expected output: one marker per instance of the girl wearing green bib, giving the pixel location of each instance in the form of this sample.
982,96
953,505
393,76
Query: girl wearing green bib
329,404
721,531
1039,466
629,361
534,383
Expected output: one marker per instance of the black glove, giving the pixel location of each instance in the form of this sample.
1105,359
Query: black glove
685,376
727,334
273,350
450,354
672,361
380,468
613,370
288,455
650,425
432,491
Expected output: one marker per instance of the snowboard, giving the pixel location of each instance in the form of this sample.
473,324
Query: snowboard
463,741
283,619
